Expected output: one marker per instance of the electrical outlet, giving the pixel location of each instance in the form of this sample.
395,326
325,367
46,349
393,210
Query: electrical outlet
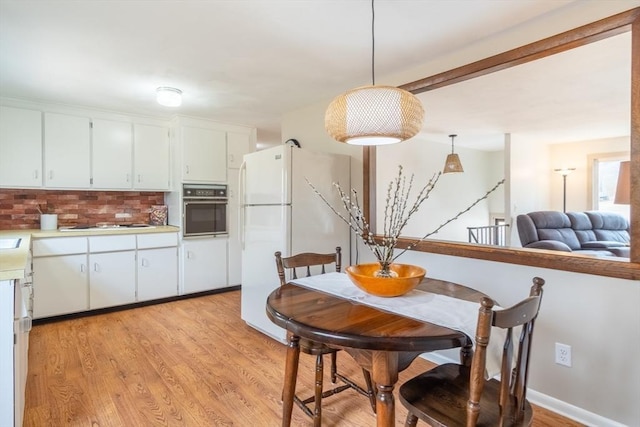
563,354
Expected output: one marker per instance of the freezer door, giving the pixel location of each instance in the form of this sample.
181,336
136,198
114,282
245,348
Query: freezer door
315,227
267,176
266,230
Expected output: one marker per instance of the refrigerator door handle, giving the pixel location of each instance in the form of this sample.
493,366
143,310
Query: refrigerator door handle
241,190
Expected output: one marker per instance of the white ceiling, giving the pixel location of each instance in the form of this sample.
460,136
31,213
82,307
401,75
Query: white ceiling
249,61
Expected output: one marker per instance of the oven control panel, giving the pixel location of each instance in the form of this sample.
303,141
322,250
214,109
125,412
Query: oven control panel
204,191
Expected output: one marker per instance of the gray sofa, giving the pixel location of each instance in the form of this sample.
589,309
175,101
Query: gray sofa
593,233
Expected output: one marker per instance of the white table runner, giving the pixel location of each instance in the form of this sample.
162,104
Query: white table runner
452,313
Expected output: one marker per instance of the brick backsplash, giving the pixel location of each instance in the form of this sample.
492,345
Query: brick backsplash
19,208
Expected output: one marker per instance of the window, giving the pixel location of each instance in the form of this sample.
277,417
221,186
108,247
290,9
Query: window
605,169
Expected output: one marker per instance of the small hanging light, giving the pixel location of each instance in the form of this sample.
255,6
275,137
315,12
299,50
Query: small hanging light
452,164
374,115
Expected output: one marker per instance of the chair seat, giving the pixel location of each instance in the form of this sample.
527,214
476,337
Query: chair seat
446,401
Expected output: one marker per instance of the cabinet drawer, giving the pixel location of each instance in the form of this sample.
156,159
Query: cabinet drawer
59,246
112,243
158,240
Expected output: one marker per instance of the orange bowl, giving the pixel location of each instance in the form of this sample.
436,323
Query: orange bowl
363,276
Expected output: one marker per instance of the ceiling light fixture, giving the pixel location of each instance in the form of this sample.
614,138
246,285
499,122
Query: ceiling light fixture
374,115
169,96
452,164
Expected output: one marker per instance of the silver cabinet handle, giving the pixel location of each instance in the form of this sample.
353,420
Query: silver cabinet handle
139,178
36,173
51,174
144,262
187,169
96,267
82,267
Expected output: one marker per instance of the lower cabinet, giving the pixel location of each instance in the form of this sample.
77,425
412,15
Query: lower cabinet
60,285
204,264
74,274
60,276
157,273
112,279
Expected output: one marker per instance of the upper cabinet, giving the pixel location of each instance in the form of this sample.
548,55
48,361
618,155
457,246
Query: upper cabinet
238,144
112,147
67,150
20,147
151,157
204,155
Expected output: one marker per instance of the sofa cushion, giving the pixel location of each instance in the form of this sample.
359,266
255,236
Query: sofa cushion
581,224
609,226
553,225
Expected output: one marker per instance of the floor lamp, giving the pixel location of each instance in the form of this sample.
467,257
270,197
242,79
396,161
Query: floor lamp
564,172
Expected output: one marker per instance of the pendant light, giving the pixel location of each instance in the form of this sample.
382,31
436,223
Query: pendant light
452,164
374,115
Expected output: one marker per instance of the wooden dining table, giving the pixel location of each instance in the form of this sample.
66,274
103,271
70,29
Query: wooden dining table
382,342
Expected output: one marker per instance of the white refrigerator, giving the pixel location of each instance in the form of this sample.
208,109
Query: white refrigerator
280,212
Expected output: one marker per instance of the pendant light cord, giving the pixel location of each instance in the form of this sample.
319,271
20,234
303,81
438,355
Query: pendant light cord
373,45
452,137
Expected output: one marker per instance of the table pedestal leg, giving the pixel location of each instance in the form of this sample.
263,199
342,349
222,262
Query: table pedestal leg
290,376
385,376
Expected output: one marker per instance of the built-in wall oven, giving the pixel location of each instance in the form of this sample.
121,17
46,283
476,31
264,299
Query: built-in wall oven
204,209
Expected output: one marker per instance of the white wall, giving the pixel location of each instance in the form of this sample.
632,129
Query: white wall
453,193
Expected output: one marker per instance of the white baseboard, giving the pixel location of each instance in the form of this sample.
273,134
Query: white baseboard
558,406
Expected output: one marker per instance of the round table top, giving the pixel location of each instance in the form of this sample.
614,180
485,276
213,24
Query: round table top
340,322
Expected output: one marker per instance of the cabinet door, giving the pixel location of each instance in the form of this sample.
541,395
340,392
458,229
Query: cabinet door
204,264
157,273
238,144
20,147
60,285
151,157
67,141
112,279
235,248
204,154
112,151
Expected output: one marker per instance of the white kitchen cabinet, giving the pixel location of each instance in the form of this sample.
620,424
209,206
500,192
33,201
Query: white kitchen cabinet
157,273
67,150
204,155
20,147
157,266
238,144
112,154
112,274
15,325
151,157
204,264
60,276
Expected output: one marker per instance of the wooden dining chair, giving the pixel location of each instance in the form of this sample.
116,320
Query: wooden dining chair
458,395
308,264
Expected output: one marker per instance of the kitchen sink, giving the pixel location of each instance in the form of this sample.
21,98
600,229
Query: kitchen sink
9,243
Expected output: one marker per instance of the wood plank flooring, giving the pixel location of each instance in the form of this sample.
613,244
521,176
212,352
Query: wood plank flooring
191,362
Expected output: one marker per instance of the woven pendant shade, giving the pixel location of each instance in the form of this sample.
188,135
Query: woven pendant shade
452,164
374,115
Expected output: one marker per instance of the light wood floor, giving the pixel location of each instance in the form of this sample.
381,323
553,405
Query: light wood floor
192,362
